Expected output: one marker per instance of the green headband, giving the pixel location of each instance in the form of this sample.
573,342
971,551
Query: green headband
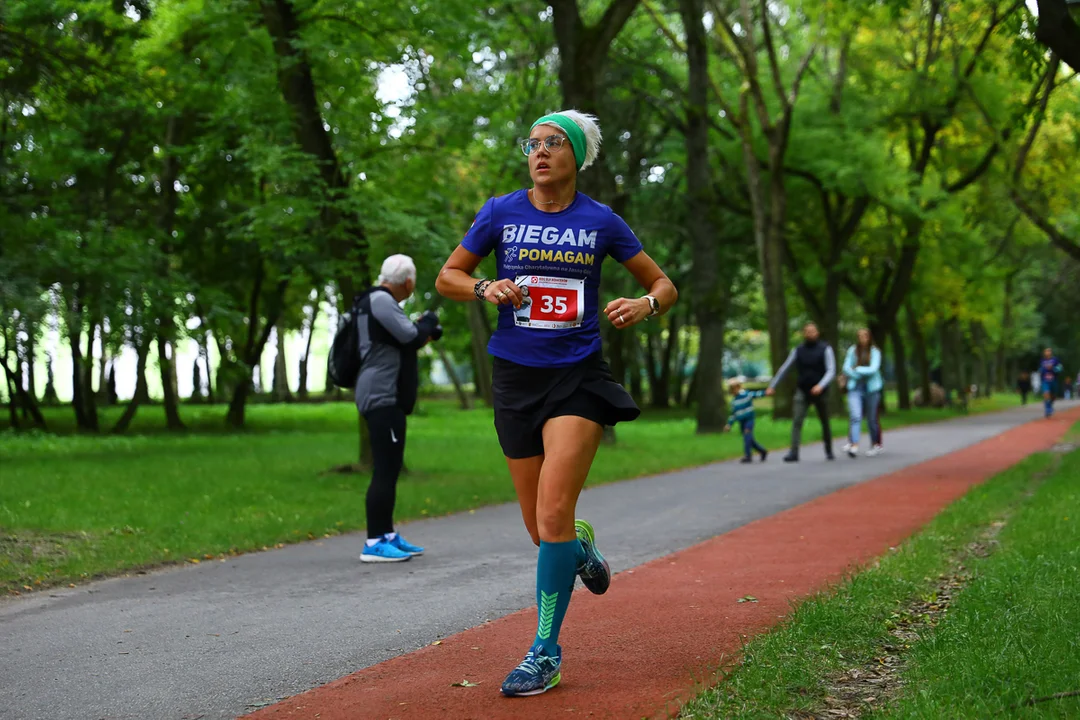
573,132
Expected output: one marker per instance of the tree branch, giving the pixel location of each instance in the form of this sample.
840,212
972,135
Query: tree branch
770,50
1053,232
615,17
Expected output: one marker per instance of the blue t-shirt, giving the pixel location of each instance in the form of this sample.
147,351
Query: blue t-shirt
569,244
1049,369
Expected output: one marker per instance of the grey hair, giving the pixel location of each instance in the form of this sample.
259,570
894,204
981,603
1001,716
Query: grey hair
589,125
396,270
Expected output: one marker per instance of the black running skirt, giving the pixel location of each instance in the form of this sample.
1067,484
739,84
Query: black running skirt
527,397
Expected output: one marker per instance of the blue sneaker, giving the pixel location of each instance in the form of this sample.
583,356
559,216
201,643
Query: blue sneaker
536,674
405,546
383,552
595,572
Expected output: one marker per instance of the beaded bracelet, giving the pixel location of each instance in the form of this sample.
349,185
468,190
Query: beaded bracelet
480,288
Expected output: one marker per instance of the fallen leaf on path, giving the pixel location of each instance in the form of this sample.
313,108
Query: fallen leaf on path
464,683
437,642
747,598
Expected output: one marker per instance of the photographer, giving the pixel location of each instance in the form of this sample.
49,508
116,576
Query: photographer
386,394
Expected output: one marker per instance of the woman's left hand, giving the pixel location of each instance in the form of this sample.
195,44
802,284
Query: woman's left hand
625,312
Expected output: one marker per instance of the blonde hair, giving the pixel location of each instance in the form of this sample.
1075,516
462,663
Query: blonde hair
589,125
732,384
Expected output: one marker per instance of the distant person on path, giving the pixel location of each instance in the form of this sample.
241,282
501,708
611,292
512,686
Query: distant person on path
1023,384
862,369
386,393
815,366
553,391
1049,369
1068,388
742,410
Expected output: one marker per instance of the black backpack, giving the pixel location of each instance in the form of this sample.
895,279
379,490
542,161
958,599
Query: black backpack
343,364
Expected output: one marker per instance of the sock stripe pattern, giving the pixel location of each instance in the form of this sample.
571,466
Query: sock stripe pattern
547,614
556,569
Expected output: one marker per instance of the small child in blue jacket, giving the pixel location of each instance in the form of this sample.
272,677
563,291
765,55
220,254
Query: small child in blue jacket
742,409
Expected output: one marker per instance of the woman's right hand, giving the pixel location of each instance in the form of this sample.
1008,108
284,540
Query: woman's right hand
504,292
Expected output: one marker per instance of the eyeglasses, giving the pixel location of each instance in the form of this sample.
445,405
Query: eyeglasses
551,142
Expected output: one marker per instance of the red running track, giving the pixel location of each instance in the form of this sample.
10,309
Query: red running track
643,648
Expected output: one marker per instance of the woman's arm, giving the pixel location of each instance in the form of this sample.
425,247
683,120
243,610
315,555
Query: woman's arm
849,362
456,282
874,366
625,312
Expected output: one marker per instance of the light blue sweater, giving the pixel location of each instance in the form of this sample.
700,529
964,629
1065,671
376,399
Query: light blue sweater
870,373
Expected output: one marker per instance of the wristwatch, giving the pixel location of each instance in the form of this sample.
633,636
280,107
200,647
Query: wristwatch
654,305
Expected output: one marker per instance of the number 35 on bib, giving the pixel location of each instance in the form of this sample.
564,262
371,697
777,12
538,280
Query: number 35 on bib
556,303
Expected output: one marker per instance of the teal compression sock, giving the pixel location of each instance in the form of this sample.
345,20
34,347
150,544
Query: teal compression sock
556,569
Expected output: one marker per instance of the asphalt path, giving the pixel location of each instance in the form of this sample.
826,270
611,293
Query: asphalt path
222,638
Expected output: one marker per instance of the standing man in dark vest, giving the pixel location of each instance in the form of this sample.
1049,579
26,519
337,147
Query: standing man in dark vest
815,367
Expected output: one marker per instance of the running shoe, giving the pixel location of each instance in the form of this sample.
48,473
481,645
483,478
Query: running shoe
746,461
853,450
875,451
791,457
405,546
595,572
764,454
383,552
536,674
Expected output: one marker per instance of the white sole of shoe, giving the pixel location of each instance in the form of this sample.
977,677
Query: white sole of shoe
380,559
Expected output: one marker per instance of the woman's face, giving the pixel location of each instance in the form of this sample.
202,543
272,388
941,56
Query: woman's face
553,166
864,337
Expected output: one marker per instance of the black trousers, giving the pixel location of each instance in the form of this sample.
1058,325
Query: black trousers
387,428
804,399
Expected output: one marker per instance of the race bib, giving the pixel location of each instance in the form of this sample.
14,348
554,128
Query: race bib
554,303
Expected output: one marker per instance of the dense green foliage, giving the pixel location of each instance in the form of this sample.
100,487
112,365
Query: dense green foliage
219,176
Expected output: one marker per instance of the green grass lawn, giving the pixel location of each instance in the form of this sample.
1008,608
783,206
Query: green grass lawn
1009,632
75,506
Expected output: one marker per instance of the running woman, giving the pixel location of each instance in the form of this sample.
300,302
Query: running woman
1049,368
862,368
553,391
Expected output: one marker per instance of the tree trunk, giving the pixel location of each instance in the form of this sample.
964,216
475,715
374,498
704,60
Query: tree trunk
90,401
142,351
280,392
302,390
103,368
634,367
922,359
111,397
652,368
50,397
31,358
1003,379
711,283
669,356
168,385
18,396
903,383
85,419
479,336
204,352
234,418
451,371
196,380
13,405
297,84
